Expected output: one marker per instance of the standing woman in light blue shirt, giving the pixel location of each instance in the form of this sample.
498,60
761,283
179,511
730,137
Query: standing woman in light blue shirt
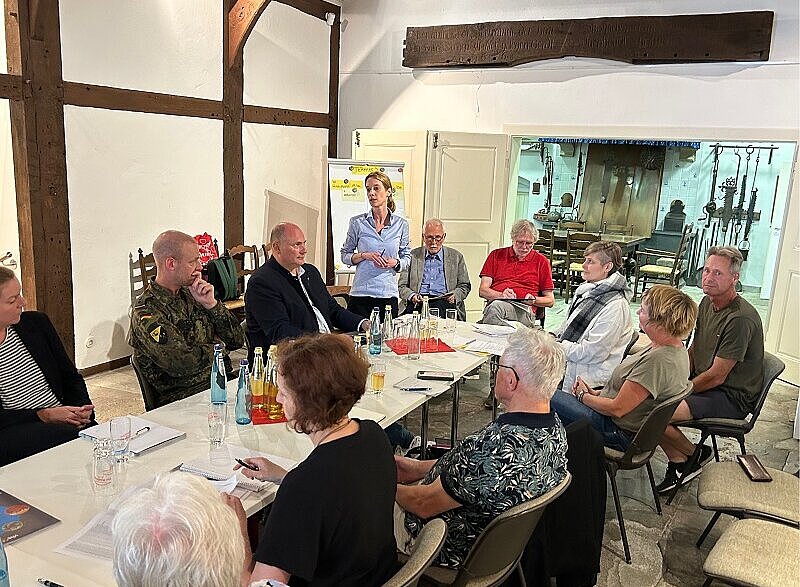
377,244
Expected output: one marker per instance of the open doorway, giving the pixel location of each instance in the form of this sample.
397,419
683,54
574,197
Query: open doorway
733,192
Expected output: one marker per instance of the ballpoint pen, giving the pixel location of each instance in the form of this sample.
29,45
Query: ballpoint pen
141,431
415,388
48,583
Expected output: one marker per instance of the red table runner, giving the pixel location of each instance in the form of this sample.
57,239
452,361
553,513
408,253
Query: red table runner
431,345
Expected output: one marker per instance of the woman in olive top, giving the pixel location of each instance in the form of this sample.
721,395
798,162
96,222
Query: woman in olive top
642,381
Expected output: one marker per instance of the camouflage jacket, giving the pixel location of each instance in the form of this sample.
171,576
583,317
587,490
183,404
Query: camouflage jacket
173,339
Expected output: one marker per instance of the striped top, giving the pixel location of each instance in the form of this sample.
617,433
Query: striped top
22,383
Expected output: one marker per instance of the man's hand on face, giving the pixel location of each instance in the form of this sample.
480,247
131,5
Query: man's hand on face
203,293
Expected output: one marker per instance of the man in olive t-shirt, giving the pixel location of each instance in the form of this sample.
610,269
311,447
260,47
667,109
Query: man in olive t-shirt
727,356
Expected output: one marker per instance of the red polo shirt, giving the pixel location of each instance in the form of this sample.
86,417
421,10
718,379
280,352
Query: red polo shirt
530,275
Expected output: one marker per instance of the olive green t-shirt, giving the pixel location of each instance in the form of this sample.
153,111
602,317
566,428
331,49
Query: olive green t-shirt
734,333
663,371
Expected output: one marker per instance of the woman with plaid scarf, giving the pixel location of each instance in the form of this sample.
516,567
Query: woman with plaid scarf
598,325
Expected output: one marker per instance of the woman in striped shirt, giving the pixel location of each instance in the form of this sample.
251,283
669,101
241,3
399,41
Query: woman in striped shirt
43,398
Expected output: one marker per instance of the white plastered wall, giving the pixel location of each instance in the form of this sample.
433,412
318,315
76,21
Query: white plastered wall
377,92
132,175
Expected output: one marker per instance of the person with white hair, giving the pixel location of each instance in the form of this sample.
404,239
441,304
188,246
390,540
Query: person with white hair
516,280
518,457
178,532
436,271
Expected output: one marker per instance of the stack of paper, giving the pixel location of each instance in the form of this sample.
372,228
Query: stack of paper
493,330
144,434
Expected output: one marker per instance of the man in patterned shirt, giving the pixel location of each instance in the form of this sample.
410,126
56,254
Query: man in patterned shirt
527,443
177,320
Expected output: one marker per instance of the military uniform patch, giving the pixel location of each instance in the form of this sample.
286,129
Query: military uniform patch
158,334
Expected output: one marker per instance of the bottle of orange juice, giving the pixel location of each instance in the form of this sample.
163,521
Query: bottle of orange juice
274,409
257,379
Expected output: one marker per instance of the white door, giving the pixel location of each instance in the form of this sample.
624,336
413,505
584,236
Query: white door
782,337
399,145
9,231
466,188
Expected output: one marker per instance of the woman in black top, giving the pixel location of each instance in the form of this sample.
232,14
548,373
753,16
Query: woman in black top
332,519
43,398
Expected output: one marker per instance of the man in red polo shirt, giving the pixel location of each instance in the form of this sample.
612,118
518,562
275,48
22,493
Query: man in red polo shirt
516,280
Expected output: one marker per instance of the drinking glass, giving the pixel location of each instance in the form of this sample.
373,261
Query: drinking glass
451,315
120,429
103,466
433,330
217,420
377,375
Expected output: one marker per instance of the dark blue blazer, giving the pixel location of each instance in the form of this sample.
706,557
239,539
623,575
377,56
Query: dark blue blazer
276,307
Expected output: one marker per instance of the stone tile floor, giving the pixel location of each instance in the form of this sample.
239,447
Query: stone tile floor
662,547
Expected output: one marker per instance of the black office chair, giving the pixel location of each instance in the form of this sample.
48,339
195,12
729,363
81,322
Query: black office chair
149,397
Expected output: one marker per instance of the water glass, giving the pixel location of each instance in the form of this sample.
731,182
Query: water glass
120,429
217,420
377,375
433,331
103,466
451,316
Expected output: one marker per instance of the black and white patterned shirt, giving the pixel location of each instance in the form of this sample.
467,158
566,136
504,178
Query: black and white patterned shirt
516,458
22,383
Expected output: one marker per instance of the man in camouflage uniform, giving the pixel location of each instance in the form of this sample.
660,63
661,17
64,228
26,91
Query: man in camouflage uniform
177,320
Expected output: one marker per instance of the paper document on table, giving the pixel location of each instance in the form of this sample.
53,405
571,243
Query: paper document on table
490,347
365,414
150,434
217,465
94,541
425,386
493,329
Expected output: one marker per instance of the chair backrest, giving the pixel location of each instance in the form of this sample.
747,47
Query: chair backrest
544,244
773,367
246,260
572,225
577,243
634,338
680,255
149,397
426,548
616,229
499,547
646,441
140,271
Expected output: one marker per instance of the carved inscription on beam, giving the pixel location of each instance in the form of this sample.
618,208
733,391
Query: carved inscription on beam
695,38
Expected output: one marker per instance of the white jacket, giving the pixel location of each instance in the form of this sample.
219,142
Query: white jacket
599,349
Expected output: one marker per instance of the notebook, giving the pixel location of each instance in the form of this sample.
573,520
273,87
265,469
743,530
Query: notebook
217,465
153,434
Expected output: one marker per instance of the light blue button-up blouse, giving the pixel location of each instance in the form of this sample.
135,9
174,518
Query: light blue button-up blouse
376,282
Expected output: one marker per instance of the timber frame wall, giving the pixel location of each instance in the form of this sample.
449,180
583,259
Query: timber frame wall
38,93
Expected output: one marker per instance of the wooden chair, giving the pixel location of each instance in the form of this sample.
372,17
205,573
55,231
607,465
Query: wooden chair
140,271
246,259
661,266
576,245
340,293
616,229
545,245
572,225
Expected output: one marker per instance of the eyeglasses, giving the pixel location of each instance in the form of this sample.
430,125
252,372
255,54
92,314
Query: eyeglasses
436,238
514,371
526,244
